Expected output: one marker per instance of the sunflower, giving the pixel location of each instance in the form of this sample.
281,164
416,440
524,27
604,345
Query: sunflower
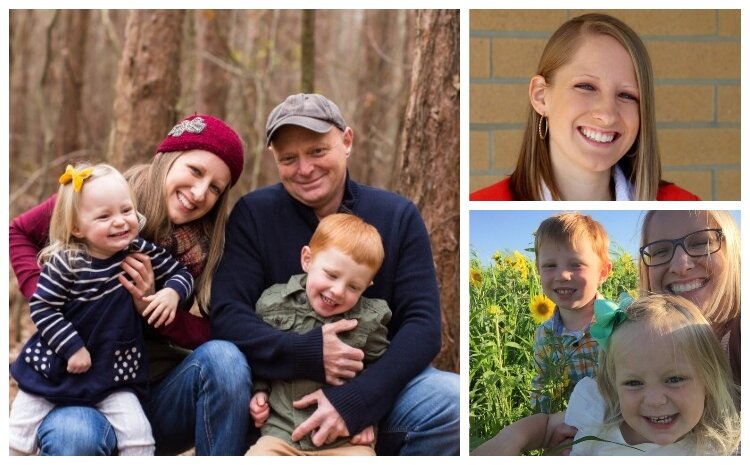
493,310
541,308
475,277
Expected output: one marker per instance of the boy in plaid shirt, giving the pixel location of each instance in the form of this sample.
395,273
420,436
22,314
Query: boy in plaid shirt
572,257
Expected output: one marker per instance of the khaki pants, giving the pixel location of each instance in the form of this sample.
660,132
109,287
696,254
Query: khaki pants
269,445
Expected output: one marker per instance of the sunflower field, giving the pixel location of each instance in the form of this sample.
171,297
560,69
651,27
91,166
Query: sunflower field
506,305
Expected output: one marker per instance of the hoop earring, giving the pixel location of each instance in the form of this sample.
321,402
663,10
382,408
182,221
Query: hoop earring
546,127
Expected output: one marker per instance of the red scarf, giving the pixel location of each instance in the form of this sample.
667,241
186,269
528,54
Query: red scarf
189,246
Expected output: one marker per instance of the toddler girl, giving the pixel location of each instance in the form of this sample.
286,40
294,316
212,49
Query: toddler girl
663,384
88,348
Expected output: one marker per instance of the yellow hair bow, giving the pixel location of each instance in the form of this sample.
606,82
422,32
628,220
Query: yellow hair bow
77,176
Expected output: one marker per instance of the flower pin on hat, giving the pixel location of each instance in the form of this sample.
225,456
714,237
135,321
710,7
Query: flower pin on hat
76,176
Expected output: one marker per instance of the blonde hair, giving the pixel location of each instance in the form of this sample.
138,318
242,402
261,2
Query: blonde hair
642,165
147,182
352,236
727,286
573,228
676,318
65,215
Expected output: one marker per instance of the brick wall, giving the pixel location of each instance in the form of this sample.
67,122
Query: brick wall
696,60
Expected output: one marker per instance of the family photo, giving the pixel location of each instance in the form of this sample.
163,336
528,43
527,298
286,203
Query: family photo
605,332
224,237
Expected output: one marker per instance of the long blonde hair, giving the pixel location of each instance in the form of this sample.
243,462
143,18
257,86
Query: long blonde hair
727,287
65,214
676,318
642,164
147,182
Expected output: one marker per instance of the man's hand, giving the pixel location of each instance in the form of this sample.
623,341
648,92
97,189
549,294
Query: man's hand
366,437
162,307
138,266
259,408
325,424
340,361
79,362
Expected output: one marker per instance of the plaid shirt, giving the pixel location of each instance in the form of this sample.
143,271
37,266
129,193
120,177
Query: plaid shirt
555,345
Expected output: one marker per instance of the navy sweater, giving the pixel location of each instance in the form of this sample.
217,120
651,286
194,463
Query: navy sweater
265,233
79,302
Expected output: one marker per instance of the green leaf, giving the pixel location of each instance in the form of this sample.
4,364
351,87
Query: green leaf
587,438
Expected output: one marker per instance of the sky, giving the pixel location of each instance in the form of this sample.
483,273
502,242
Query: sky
510,230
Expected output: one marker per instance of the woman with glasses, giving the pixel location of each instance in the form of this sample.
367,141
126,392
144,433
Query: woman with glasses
696,254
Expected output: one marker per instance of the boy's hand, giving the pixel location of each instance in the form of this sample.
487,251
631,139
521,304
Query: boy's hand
259,408
366,437
162,307
79,362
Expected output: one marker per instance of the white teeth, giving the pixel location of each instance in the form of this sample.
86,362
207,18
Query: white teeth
565,291
597,136
184,201
326,300
679,288
662,419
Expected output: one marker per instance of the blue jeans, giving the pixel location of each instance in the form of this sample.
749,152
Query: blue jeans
76,431
425,419
203,402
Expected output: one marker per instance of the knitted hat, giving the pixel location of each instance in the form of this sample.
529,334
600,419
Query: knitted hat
205,132
311,111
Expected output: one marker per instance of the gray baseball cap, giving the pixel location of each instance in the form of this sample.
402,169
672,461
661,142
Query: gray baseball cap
311,111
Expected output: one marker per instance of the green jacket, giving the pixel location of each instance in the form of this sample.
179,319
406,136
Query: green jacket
285,307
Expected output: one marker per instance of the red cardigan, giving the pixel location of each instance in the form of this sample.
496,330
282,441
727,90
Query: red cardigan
29,232
501,191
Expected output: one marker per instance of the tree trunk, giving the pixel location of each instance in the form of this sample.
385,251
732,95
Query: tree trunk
148,84
74,24
430,164
308,51
212,82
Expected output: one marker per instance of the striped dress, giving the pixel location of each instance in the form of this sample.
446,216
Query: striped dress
79,302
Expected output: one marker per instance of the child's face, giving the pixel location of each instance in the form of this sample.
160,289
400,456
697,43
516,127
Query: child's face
106,221
694,278
592,108
335,282
570,277
194,184
661,396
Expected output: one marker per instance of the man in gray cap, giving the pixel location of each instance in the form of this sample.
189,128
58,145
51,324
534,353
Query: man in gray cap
415,406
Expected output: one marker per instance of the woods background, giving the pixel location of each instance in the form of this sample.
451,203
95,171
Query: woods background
107,85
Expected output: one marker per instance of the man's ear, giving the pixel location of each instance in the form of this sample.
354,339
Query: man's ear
537,89
306,258
348,140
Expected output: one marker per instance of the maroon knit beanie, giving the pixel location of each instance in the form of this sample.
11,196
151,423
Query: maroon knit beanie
206,132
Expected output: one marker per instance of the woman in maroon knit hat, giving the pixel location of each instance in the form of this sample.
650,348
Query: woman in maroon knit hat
198,389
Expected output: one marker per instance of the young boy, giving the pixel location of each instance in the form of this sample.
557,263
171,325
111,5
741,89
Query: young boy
572,257
342,258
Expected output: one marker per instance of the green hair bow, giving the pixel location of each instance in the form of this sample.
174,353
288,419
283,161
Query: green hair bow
608,316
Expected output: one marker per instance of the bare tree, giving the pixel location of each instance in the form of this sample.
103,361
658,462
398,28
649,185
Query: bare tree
147,85
308,51
212,78
429,172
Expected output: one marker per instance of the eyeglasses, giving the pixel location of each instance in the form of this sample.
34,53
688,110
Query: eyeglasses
695,244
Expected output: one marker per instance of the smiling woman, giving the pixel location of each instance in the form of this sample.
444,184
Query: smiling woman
591,130
183,195
697,257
